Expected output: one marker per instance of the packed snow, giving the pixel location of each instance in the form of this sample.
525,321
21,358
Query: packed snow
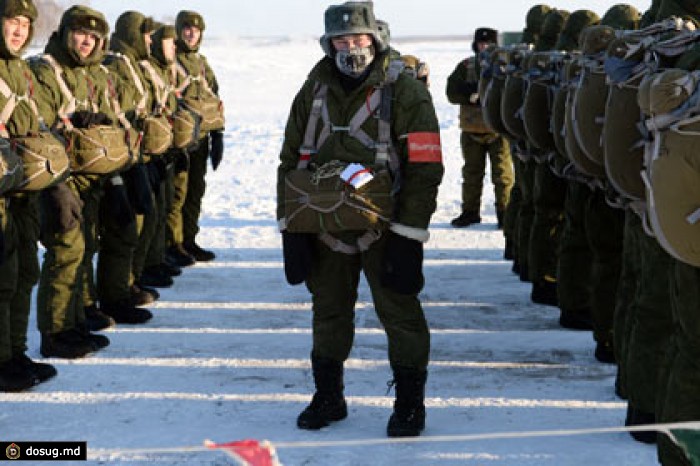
226,356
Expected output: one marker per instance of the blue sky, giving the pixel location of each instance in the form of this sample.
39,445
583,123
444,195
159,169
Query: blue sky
305,17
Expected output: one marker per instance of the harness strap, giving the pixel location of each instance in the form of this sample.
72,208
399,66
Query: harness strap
162,89
141,105
67,109
309,147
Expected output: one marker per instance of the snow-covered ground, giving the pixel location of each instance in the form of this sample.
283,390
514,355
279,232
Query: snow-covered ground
226,355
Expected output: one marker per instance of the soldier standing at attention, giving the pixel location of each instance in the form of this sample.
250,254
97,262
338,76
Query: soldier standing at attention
356,66
19,211
477,139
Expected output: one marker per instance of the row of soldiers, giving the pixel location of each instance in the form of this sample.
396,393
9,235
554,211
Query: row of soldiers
104,145
601,115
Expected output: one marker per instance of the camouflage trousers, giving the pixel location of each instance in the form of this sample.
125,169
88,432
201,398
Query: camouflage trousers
475,149
333,285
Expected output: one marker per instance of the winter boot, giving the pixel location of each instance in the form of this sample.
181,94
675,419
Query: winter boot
408,418
499,219
465,219
199,254
141,296
38,370
68,344
604,352
177,256
95,340
328,404
15,378
636,417
123,312
169,269
96,320
544,293
155,277
578,320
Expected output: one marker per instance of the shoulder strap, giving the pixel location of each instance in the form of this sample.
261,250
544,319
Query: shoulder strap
161,88
141,105
13,99
67,109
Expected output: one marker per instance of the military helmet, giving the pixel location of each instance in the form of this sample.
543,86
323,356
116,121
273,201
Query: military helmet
14,8
384,31
350,18
621,16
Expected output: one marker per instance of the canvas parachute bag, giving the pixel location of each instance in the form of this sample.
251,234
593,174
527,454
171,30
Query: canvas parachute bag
157,134
537,106
491,102
11,170
672,175
575,154
43,157
591,93
318,199
99,149
514,96
203,102
560,89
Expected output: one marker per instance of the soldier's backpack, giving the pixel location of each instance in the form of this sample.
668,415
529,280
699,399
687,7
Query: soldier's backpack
672,174
537,107
514,96
491,102
204,102
592,93
99,149
44,158
318,199
157,134
11,172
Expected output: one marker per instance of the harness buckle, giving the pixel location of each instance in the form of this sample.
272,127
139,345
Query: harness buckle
338,129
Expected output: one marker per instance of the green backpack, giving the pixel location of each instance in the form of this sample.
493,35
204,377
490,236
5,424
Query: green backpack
514,95
537,106
493,94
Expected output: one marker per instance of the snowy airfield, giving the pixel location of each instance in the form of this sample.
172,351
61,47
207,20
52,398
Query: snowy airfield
226,356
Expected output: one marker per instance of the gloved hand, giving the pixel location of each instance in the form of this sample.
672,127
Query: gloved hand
118,200
154,175
181,162
298,252
403,264
2,246
140,192
85,119
66,205
216,149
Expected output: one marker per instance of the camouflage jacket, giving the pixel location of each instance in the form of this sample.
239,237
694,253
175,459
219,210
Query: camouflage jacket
412,114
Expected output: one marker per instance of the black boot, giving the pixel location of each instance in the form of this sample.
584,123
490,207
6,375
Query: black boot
177,256
155,277
140,296
123,312
38,370
408,418
636,417
465,219
68,344
508,253
604,352
499,219
544,293
328,404
199,254
576,320
15,378
97,320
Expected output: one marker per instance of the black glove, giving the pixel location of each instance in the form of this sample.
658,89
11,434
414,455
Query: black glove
403,264
117,198
181,162
65,205
216,149
155,175
2,246
298,251
140,192
85,119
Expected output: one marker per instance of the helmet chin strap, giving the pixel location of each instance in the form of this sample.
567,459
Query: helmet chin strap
354,62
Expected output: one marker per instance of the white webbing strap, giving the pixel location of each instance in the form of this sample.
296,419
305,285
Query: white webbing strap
141,105
162,89
67,109
362,243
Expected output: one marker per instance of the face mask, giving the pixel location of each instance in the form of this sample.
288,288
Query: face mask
354,62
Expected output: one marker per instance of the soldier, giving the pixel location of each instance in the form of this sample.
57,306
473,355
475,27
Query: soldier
477,139
19,213
77,94
330,263
195,71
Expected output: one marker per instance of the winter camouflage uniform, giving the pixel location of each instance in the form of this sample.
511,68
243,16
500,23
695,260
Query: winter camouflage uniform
59,299
191,185
333,276
477,144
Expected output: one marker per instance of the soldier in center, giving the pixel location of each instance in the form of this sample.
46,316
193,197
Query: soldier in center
399,127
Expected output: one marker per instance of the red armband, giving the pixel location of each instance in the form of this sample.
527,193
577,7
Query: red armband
424,147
